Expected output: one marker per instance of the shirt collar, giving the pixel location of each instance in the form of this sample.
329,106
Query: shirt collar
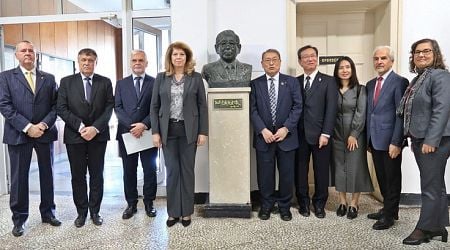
24,70
134,76
229,65
386,74
275,77
83,76
312,75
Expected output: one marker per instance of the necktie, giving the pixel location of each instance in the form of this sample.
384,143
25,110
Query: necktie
137,85
377,90
30,80
88,89
273,101
308,83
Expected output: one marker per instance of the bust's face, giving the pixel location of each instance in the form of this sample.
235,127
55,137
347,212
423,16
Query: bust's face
228,48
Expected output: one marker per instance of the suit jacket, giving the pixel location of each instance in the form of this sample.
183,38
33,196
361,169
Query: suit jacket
384,127
217,77
73,108
319,108
130,108
289,108
430,114
20,106
195,108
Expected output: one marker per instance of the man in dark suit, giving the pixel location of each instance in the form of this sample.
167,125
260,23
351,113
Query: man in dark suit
275,107
385,134
315,129
28,103
132,106
85,103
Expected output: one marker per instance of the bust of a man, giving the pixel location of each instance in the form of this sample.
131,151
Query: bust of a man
227,72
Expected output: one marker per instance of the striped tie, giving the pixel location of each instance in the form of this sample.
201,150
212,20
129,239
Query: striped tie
273,101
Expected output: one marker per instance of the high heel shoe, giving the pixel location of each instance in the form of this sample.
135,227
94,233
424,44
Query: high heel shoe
186,223
352,212
417,237
342,210
443,233
171,222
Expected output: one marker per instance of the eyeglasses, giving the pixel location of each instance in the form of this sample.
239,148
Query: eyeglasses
308,56
271,60
424,52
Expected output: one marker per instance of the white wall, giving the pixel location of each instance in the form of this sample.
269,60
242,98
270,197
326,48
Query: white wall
260,24
421,19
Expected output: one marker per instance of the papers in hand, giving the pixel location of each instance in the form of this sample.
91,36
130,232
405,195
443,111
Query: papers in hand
133,144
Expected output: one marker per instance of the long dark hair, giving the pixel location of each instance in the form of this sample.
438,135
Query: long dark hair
353,81
438,58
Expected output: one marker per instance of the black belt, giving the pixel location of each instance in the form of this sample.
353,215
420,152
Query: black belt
171,120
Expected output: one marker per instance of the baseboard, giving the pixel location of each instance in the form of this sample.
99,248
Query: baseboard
413,199
227,210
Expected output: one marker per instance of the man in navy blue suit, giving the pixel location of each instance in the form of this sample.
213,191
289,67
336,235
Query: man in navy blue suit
275,107
28,103
132,107
385,134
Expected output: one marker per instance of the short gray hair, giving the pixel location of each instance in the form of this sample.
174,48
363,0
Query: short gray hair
389,48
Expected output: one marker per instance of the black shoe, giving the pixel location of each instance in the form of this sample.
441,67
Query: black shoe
97,219
264,213
443,233
286,215
378,215
352,212
80,221
342,210
304,211
186,223
52,221
417,237
383,223
129,212
171,222
150,211
319,212
18,230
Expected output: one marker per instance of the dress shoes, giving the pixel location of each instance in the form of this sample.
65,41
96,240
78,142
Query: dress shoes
342,210
352,212
18,230
443,233
417,237
80,221
378,215
304,211
52,221
97,219
172,222
383,224
286,215
129,212
319,212
186,223
150,211
264,213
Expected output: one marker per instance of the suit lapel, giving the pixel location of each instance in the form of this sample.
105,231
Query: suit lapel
95,86
21,78
187,85
40,81
79,88
282,90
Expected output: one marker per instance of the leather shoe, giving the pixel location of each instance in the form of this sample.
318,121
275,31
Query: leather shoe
264,214
443,233
417,237
378,215
97,219
352,212
304,211
52,221
186,223
383,223
80,221
171,222
286,215
342,210
129,212
150,211
319,212
18,230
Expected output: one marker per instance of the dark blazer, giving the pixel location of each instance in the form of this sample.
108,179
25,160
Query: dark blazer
384,127
20,106
195,108
430,115
73,108
319,107
289,108
130,108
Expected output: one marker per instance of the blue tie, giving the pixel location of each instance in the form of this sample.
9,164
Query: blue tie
88,89
137,85
273,101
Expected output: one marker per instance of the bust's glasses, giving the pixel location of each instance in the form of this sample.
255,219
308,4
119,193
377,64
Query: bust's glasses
271,60
425,52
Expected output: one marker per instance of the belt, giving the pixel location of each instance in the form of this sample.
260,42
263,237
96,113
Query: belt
171,120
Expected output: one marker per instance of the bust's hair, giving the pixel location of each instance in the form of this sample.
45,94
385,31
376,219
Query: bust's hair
190,63
226,33
438,57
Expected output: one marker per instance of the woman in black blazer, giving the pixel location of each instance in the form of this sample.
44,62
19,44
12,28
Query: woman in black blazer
179,118
425,107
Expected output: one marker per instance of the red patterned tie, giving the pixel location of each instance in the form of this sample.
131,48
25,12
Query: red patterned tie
377,90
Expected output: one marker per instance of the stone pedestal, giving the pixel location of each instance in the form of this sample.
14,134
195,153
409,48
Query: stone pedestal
229,153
